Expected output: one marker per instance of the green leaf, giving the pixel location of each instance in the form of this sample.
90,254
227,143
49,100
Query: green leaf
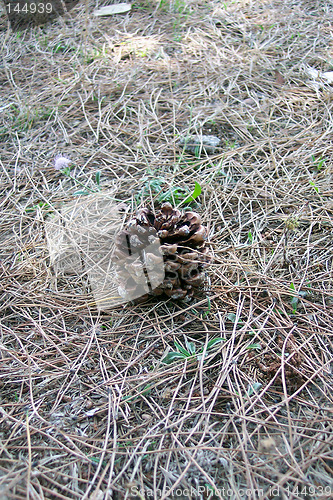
77,193
210,344
98,178
40,204
96,460
172,195
135,397
181,349
66,170
190,346
254,346
146,390
172,356
231,317
293,303
195,194
253,388
294,299
155,184
213,342
315,187
152,185
209,308
321,163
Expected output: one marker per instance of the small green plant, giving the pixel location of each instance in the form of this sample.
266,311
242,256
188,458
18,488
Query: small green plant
250,237
141,5
314,186
206,313
135,397
174,195
318,163
185,162
87,190
256,346
150,447
176,6
253,388
61,48
293,299
195,194
155,187
23,119
197,152
230,144
232,317
177,36
42,205
98,179
96,460
64,164
265,27
190,350
211,490
93,54
179,6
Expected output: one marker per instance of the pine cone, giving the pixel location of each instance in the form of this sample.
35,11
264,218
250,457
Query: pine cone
165,251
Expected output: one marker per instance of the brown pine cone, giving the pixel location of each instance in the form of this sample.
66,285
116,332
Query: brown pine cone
161,253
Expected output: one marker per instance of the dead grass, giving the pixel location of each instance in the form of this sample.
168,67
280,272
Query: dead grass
88,410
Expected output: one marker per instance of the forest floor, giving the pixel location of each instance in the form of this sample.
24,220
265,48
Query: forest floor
88,408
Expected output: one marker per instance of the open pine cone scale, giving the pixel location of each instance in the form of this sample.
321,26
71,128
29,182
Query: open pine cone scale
182,254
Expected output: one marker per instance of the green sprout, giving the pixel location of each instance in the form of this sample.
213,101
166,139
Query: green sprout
293,299
42,205
256,346
174,195
195,194
318,163
314,186
190,350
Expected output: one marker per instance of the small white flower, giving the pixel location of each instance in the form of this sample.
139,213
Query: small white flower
61,162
